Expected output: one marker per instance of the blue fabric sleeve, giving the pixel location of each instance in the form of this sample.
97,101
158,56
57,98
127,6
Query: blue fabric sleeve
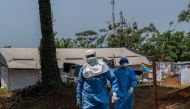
113,81
80,82
133,78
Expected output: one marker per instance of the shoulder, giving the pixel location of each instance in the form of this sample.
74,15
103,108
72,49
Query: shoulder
117,70
104,66
101,62
130,68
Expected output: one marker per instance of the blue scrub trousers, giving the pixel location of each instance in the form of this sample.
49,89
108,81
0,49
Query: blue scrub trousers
122,103
93,102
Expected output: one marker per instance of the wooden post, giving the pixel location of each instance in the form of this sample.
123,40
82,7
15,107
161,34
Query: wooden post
154,84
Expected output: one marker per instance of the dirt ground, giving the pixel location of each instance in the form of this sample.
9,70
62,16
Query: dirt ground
64,98
4,96
172,81
177,100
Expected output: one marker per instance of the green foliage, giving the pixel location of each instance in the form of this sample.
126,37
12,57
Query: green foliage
124,34
186,48
100,41
8,46
85,39
64,43
86,33
185,15
4,90
59,43
168,46
68,43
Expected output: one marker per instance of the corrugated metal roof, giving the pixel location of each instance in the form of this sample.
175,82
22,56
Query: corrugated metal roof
28,58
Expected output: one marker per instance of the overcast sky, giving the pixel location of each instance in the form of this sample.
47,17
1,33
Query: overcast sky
20,26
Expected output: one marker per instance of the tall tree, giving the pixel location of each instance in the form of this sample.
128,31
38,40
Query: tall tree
64,43
86,38
7,46
129,35
184,16
49,66
185,56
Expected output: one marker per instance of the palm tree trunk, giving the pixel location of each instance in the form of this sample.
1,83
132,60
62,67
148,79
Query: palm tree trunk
49,66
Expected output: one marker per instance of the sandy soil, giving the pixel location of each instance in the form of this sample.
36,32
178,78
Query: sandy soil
64,98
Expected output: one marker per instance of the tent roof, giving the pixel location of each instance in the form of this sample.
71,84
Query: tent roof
28,58
182,63
2,60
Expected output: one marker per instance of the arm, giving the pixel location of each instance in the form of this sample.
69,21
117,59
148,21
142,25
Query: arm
113,81
133,78
80,81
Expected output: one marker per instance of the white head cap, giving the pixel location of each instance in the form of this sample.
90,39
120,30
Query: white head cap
90,53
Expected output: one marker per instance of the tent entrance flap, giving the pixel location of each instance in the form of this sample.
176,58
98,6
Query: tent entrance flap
72,70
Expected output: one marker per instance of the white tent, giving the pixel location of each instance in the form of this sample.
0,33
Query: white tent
20,67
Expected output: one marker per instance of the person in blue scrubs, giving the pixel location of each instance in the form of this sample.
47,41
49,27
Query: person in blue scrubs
91,90
126,79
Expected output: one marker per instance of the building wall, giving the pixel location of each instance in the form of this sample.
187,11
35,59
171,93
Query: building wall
4,77
22,78
185,77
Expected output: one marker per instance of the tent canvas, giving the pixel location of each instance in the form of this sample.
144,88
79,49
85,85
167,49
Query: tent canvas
25,62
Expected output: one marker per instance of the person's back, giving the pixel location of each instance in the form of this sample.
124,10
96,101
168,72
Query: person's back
126,80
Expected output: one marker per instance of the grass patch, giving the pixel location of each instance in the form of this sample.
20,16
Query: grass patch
4,90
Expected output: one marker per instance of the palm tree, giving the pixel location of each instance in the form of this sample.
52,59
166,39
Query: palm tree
49,66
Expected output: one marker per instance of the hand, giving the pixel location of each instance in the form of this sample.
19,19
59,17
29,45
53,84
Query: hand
114,97
79,103
130,91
